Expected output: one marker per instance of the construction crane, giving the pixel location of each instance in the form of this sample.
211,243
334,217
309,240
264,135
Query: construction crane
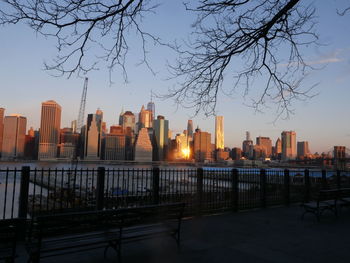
81,115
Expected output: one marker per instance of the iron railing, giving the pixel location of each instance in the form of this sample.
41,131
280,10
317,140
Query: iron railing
28,192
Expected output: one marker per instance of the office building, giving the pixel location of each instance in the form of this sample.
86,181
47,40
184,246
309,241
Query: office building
14,134
93,133
143,147
303,149
236,153
288,145
202,146
278,148
265,145
219,133
160,133
247,147
128,121
115,146
182,148
31,144
152,108
145,118
190,129
49,130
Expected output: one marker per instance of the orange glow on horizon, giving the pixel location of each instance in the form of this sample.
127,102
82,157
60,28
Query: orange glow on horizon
186,153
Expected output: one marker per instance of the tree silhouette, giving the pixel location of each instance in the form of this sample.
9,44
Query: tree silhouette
246,40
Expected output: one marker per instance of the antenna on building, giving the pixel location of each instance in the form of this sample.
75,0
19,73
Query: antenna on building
81,115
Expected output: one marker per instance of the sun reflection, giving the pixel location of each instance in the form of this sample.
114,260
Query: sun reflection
186,153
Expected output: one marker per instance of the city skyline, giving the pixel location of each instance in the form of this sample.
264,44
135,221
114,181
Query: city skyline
175,132
322,120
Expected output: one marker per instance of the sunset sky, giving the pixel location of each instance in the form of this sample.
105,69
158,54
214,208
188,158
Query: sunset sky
324,120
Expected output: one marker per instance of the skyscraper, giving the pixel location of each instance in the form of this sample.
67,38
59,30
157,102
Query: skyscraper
265,145
128,121
93,132
190,129
202,146
115,147
2,112
161,130
14,136
303,149
288,145
145,118
247,146
278,148
152,108
49,129
219,132
143,147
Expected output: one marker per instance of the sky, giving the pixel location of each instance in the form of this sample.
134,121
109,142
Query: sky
322,120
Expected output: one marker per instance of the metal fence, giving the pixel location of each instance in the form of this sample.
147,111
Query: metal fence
28,192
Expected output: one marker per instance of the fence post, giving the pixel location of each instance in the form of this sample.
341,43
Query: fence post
23,201
324,179
286,187
338,179
199,190
100,186
23,192
155,182
234,188
307,185
263,187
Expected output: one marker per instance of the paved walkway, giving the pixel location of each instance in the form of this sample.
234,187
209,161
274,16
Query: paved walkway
269,235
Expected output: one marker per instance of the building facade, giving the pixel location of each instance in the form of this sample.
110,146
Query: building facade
143,147
160,133
289,151
145,118
202,146
114,147
14,135
93,136
219,133
49,130
265,144
303,149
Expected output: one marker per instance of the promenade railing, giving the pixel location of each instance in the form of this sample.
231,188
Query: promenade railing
27,192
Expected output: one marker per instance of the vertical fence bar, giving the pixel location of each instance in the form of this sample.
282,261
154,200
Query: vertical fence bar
263,187
23,192
234,189
286,187
324,179
155,182
199,190
307,185
100,185
338,179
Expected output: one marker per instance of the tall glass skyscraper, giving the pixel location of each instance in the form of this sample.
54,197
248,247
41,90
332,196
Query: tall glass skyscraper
15,127
219,133
50,125
289,145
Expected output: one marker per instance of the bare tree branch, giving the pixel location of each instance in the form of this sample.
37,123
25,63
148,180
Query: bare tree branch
84,29
247,39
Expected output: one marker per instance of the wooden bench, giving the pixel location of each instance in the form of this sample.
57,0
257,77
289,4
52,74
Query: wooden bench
344,197
324,200
59,234
8,238
152,221
72,232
